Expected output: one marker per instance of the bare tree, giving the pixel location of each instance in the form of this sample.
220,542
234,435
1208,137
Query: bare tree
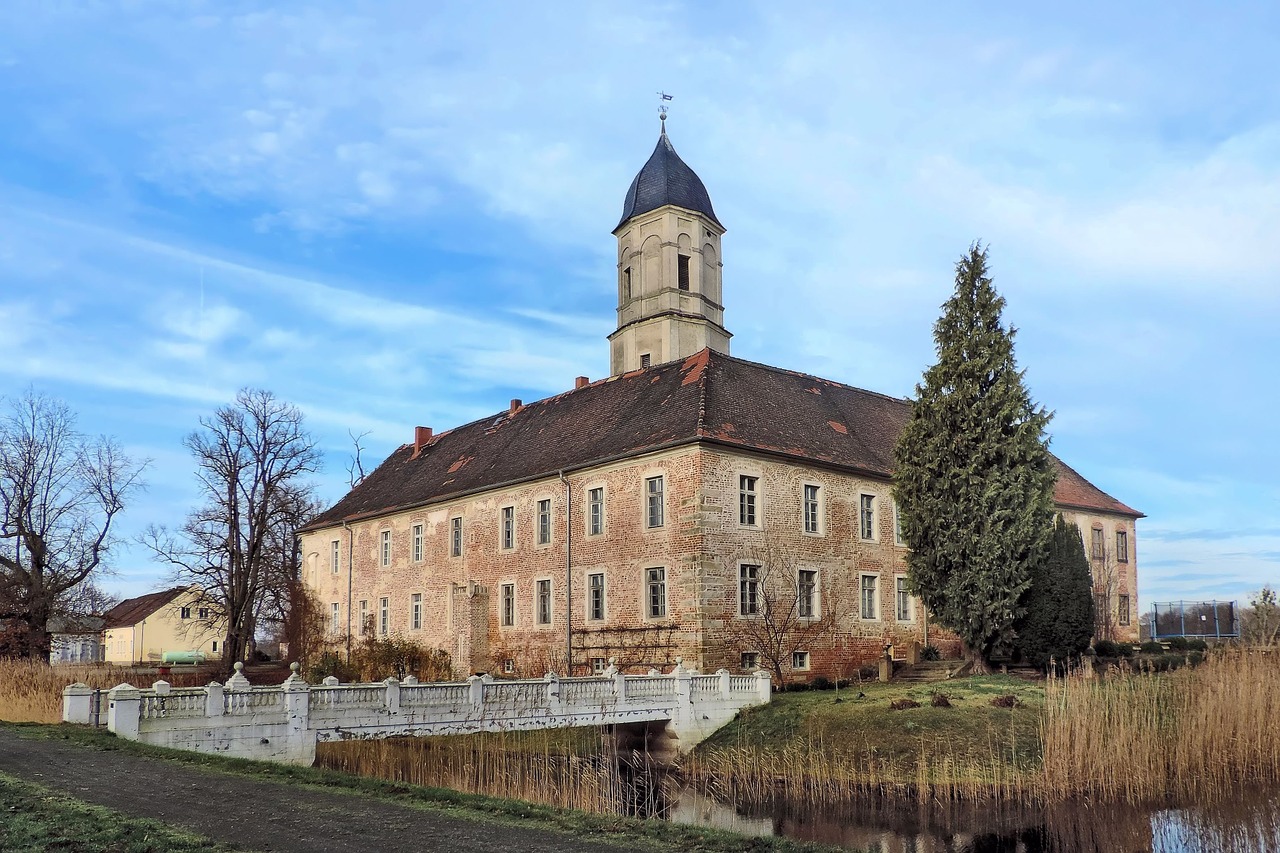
60,493
1106,583
1260,621
783,606
355,467
238,546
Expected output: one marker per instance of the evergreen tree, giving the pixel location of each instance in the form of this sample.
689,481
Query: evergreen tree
974,478
1058,621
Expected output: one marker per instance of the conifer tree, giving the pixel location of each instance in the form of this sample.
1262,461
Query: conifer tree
974,478
1058,619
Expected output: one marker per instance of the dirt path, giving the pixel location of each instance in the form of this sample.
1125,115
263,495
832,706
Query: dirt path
259,814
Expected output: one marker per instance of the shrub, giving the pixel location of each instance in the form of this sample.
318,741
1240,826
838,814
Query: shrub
930,653
1151,647
1124,650
821,682
903,704
1178,644
1197,645
940,700
1006,701
1195,658
1106,649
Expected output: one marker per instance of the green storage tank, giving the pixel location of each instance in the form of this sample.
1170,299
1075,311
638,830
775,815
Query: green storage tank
182,657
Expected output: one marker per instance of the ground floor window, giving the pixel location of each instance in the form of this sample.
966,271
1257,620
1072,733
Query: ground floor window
799,660
597,665
750,660
1123,607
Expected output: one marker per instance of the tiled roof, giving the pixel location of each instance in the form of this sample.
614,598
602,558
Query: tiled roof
131,611
707,397
666,179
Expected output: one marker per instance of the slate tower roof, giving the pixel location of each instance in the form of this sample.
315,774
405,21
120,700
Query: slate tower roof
666,179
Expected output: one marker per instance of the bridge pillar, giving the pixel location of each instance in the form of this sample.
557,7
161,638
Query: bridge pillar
213,704
393,695
553,694
77,703
299,737
124,711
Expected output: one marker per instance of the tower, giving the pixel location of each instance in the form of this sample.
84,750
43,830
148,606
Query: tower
670,298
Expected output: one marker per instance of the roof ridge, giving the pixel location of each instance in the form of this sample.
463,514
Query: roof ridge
773,369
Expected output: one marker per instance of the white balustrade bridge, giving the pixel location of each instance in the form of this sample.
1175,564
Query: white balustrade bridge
284,723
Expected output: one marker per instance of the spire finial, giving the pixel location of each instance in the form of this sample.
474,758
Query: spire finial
662,109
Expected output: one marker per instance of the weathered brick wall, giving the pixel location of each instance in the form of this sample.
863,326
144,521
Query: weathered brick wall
1113,576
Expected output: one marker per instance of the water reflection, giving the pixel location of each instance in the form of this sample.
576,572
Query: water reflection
1249,823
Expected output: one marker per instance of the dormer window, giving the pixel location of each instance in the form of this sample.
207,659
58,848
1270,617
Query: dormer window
682,272
644,360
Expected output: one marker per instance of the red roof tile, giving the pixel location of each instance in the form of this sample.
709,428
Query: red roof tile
131,611
707,397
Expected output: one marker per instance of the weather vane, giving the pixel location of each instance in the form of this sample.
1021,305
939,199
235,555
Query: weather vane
662,108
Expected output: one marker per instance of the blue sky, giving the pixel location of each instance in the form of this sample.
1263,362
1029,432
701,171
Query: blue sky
398,213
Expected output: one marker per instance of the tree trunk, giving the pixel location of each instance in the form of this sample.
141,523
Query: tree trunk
38,641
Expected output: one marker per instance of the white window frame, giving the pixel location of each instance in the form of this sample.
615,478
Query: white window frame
595,511
898,591
655,502
508,666
335,617
335,555
507,596
384,616
817,514
415,612
648,601
897,526
815,595
603,589
455,536
364,618
863,527
416,552
801,661
384,548
598,665
749,661
754,581
749,501
862,596
542,521
550,612
507,528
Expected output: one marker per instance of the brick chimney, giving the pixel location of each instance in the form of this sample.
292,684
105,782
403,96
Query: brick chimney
421,438
581,382
515,406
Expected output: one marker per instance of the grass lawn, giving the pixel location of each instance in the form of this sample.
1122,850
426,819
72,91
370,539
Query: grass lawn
863,724
34,819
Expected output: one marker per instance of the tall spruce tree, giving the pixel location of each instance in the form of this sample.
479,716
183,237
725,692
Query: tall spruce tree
1058,619
974,478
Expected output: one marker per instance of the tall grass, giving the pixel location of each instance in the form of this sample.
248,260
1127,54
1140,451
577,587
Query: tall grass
31,691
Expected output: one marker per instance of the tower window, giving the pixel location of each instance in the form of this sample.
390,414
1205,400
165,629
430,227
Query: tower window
645,359
626,282
682,271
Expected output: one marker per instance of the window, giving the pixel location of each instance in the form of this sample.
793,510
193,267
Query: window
867,517
903,597
333,555
750,660
869,608
807,593
544,521
656,593
748,590
1122,546
215,647
1122,606
811,508
366,626
644,360
384,616
747,500
682,272
543,608
597,666
335,617
508,666
415,611
1097,550
508,528
626,281
897,526
799,660
417,543
595,596
653,502
203,613
184,613
455,536
507,600
385,549
595,511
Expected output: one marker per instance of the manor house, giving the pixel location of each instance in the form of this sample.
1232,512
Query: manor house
664,511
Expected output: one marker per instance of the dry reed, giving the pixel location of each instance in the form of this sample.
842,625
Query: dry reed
31,691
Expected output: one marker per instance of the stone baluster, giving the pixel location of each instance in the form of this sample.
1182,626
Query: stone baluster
237,682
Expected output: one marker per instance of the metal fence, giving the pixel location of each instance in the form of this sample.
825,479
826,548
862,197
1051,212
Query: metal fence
1215,619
